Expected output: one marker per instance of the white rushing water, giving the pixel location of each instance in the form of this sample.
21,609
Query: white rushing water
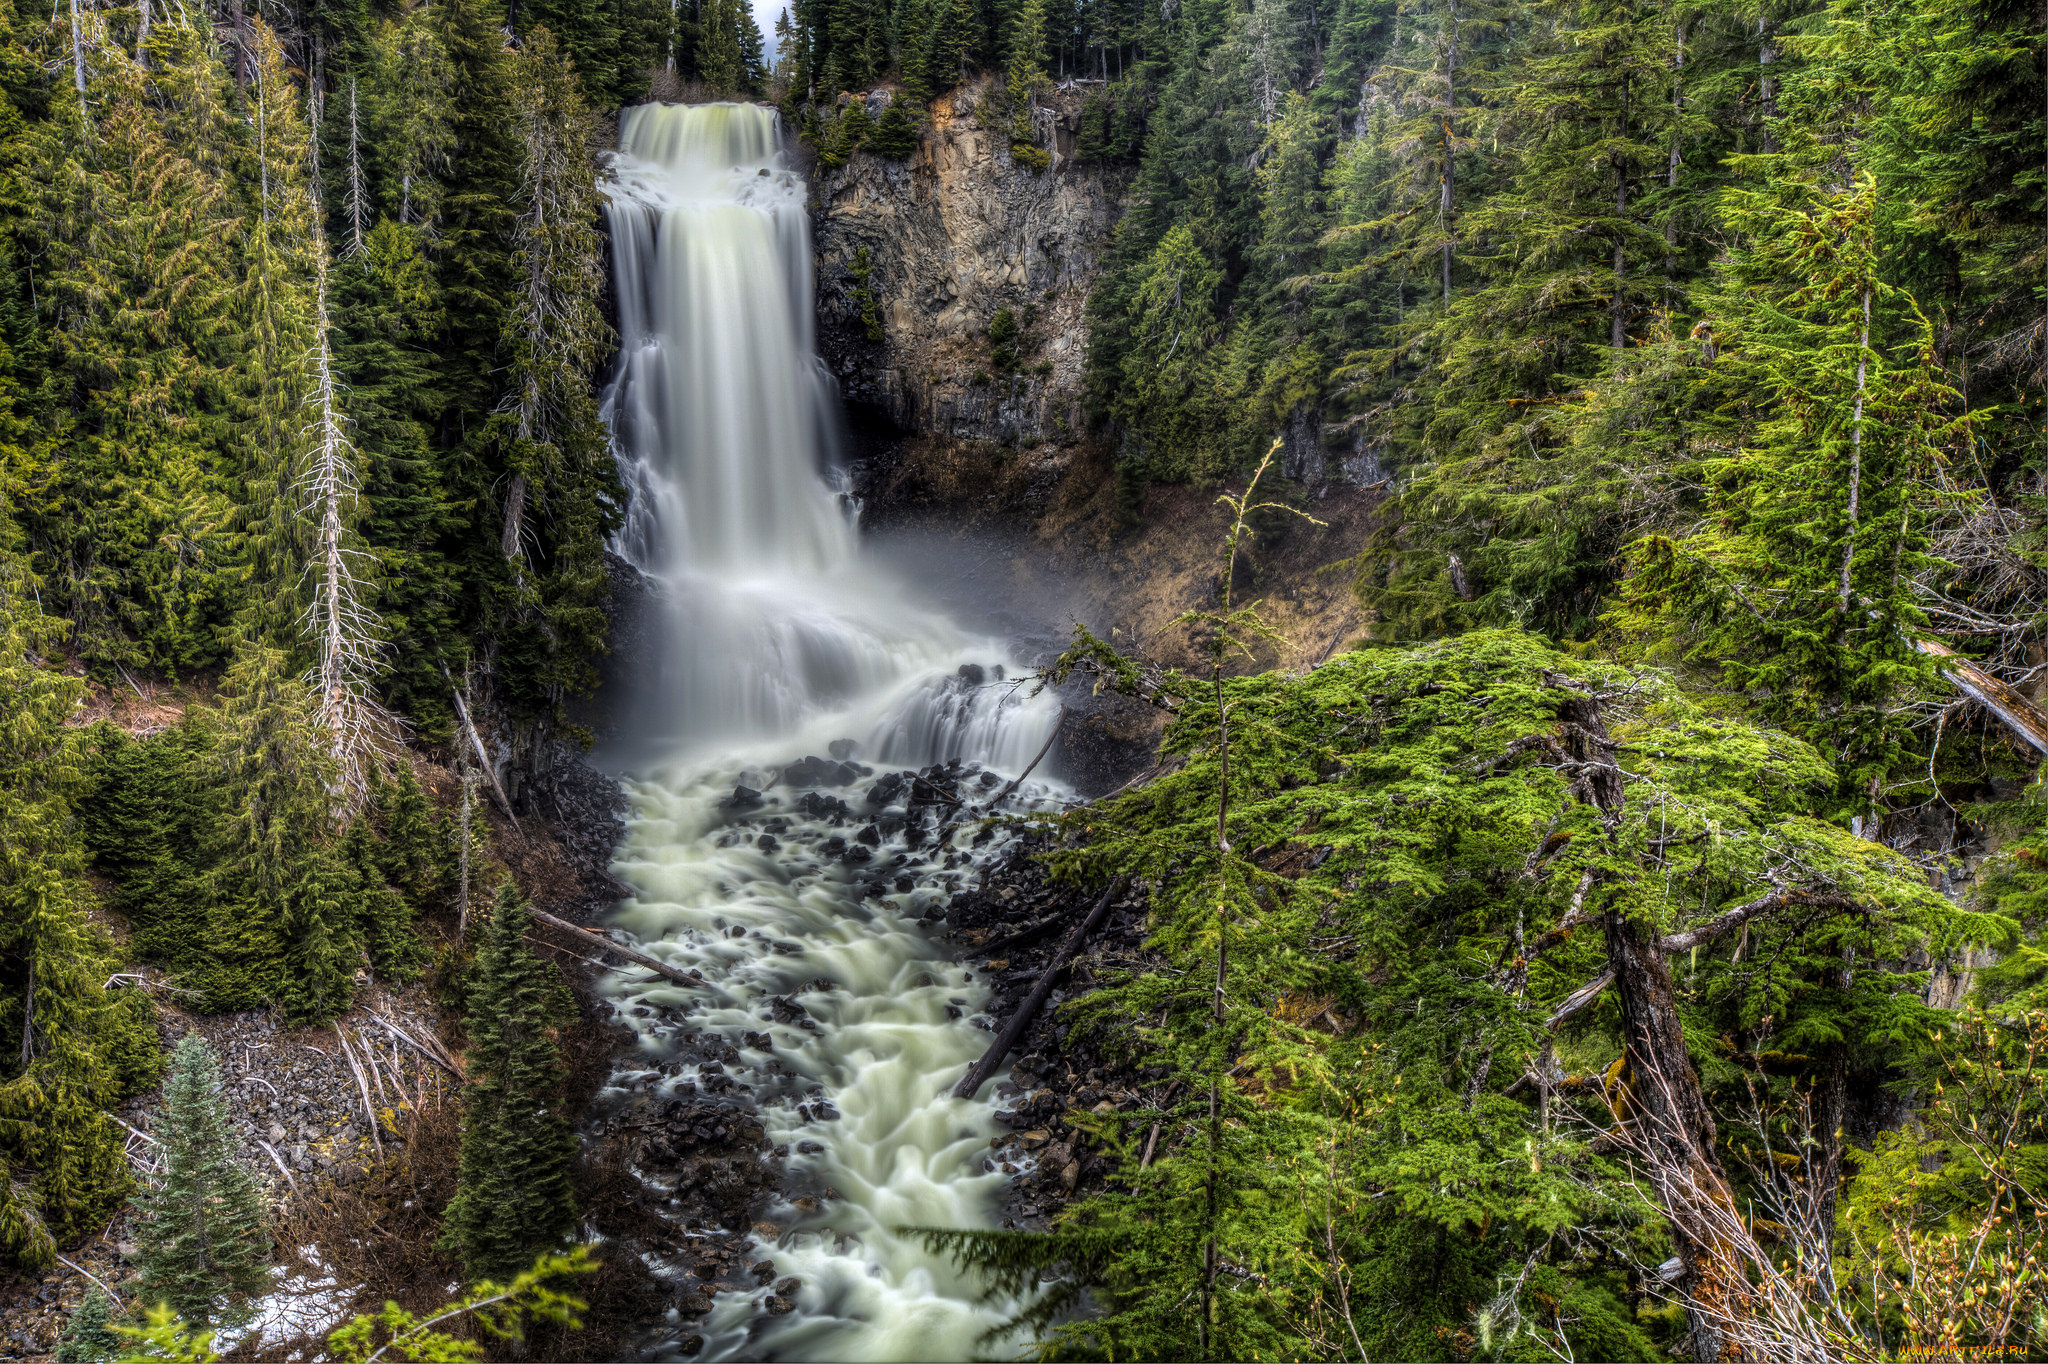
780,640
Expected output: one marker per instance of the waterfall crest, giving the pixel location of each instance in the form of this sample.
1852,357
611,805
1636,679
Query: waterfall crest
826,1006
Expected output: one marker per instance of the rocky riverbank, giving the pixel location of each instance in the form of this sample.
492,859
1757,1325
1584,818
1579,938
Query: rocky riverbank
1058,1085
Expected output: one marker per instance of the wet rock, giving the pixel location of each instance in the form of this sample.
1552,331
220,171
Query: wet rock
817,771
762,1271
787,1288
842,749
819,806
768,843
689,1345
871,836
744,798
973,674
778,1306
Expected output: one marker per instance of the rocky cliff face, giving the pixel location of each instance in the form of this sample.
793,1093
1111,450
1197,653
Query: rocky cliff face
951,236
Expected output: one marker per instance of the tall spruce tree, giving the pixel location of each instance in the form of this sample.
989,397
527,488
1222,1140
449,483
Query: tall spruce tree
513,1198
199,1224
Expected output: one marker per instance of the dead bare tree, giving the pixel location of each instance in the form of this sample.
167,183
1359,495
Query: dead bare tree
356,201
343,626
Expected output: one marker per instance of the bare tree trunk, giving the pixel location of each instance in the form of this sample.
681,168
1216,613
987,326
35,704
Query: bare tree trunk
358,201
1673,1127
515,511
1856,453
462,855
1767,86
1830,1111
142,34
238,24
78,56
344,625
1447,201
28,1016
1671,172
1617,306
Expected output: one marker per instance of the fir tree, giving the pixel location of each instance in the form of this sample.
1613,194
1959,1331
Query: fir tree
1805,585
89,1336
280,913
1027,76
561,497
896,132
200,1223
384,921
513,1198
413,855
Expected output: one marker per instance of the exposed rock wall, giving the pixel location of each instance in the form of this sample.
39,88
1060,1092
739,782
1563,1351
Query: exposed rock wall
952,235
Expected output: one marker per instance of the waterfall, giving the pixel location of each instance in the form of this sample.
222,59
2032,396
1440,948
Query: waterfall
792,882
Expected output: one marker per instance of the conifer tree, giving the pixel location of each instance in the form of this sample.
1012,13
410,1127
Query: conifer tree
720,59
1027,76
1805,584
200,1222
413,855
280,340
126,518
89,1336
282,921
69,1047
896,131
384,921
408,116
513,1199
345,630
387,307
553,445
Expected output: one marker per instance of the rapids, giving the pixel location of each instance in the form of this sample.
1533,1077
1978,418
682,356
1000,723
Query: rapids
798,899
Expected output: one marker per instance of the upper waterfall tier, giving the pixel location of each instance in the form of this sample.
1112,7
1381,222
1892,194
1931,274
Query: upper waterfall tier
720,402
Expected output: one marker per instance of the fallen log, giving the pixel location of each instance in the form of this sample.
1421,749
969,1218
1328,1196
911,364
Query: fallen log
964,813
483,759
2015,711
584,935
1029,767
431,1048
1013,1031
1020,937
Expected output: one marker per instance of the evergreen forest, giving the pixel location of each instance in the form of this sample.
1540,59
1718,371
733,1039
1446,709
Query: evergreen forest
1629,947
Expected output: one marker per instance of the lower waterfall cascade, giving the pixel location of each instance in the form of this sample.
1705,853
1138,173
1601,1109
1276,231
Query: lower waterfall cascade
794,882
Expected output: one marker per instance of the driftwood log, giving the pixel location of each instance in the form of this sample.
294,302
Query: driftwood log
1013,1031
598,940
